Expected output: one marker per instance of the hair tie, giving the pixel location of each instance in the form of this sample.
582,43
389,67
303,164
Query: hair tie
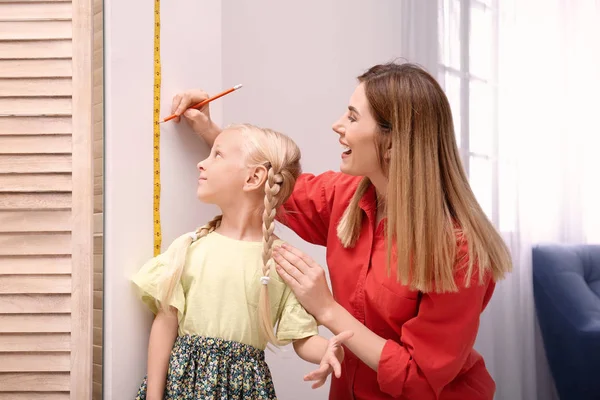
264,280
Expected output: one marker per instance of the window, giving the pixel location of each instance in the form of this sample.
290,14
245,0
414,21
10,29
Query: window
468,70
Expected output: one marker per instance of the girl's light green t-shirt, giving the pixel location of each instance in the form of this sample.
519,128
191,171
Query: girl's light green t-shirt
218,293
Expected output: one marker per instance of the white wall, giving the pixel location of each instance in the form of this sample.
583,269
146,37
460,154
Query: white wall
298,63
128,235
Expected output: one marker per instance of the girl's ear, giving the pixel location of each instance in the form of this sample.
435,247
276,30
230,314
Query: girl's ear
256,178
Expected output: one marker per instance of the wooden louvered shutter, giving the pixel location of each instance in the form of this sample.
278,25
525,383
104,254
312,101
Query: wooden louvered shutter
46,194
98,129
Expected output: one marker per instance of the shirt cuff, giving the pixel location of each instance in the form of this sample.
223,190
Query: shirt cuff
391,370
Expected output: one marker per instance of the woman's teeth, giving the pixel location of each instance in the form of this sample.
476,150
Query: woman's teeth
346,150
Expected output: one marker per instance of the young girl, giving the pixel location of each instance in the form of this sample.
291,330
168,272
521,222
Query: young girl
215,292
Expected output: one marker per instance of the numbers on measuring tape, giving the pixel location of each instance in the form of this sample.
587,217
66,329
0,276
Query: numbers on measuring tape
156,126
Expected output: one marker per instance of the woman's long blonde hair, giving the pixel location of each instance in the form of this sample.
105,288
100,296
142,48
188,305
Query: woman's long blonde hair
281,156
428,194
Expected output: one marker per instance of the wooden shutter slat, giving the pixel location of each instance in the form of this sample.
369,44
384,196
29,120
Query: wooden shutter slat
35,163
98,184
24,87
35,362
98,281
28,10
36,49
97,373
98,62
35,30
36,1
35,221
36,68
34,303
98,300
32,106
97,336
26,265
18,342
35,323
37,381
97,352
42,244
98,263
97,318
97,113
35,144
33,201
35,125
35,182
98,94
35,396
35,284
98,131
98,242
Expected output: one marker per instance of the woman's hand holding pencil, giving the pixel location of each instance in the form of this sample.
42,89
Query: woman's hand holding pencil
202,100
182,103
193,105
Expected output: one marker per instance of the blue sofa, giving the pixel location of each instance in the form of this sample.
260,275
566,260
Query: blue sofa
566,288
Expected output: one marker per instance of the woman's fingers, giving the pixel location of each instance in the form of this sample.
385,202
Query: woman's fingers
319,383
180,103
343,336
175,105
288,269
293,257
183,101
337,367
301,255
194,116
319,373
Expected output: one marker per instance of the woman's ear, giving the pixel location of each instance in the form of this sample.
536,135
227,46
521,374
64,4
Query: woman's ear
256,178
387,154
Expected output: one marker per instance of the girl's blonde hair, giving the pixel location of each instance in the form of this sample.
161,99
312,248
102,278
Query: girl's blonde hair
428,193
281,156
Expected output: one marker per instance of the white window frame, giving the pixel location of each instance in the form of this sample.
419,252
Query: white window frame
465,75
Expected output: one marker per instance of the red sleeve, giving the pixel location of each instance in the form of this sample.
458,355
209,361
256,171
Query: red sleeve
436,343
308,210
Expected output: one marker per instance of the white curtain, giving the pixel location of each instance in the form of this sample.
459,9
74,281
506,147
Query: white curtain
419,33
549,165
548,147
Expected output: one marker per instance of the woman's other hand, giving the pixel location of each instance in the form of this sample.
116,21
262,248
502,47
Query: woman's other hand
331,361
307,280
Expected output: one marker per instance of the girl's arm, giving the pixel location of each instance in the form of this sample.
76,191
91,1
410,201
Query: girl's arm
311,349
162,338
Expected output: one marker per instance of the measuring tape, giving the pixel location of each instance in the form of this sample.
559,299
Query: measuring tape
156,124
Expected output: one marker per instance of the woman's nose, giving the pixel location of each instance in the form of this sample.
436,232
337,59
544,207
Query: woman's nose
200,166
338,127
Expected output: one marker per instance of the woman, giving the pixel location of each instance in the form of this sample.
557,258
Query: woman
412,302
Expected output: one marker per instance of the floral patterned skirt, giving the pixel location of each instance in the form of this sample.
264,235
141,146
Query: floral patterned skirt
210,369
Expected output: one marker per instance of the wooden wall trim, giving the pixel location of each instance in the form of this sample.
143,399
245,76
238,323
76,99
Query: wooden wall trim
83,181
